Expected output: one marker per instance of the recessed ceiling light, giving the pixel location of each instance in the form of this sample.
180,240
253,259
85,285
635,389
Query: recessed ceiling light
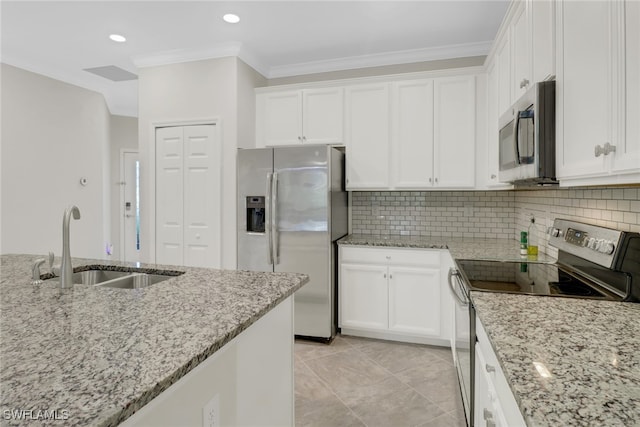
118,38
231,18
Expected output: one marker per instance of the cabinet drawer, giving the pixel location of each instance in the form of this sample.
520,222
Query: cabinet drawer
386,255
505,396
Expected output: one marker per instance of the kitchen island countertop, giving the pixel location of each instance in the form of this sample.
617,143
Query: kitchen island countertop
96,355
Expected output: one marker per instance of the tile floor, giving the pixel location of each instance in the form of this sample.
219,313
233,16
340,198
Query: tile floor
364,382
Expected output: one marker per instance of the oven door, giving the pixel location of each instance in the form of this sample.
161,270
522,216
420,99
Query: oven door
464,341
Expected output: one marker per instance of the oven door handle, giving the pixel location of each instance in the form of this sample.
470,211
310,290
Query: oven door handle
455,273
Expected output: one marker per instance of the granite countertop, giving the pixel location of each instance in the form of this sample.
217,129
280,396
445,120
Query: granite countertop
99,354
590,348
459,247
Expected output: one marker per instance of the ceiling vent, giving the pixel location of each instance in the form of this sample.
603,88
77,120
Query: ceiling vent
112,73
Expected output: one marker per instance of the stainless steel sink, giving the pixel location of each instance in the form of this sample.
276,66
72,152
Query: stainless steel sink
135,281
94,277
118,279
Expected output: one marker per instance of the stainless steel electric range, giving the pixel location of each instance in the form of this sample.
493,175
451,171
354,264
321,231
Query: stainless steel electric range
593,262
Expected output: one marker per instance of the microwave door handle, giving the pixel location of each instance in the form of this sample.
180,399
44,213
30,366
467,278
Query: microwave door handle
525,114
516,139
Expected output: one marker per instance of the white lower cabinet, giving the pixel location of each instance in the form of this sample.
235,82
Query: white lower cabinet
494,404
248,382
393,294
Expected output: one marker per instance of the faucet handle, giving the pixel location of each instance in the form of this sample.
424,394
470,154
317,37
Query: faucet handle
35,271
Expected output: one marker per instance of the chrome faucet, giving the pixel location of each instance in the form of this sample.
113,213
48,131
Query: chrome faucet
66,269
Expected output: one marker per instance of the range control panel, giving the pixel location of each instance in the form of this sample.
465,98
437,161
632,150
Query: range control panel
594,243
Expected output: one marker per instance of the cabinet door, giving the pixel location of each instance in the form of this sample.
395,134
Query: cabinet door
503,62
414,300
627,155
412,142
492,125
454,132
521,51
482,400
543,39
322,116
585,86
282,118
363,296
367,137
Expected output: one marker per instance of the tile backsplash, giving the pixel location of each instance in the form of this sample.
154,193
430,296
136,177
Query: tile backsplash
617,208
491,214
434,213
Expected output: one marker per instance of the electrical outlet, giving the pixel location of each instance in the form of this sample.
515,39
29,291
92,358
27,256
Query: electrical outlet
211,412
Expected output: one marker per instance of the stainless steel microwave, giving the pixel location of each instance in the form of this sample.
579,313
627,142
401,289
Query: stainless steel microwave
527,146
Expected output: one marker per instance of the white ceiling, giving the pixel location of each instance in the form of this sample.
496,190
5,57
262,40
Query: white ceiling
278,38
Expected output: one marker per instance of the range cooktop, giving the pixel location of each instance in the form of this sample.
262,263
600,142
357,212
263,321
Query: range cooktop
532,278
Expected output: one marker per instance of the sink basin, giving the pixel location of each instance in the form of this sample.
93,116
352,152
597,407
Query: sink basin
94,277
119,279
135,281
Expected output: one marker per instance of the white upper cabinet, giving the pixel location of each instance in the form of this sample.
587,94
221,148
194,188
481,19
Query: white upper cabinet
521,51
586,70
367,136
543,46
402,134
412,142
502,60
432,143
307,116
627,156
597,93
454,132
322,116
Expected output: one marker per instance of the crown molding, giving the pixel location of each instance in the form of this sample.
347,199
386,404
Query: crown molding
220,50
375,60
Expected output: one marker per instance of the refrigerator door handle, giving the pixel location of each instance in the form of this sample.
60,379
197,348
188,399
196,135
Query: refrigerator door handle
268,218
274,220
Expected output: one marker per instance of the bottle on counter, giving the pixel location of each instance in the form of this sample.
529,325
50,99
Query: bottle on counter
532,244
523,243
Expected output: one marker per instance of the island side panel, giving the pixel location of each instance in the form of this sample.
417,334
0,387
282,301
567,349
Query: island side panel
249,381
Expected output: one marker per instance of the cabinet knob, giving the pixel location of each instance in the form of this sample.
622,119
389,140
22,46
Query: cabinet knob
390,276
607,149
436,180
493,176
490,368
304,138
388,257
300,138
488,417
429,180
385,275
599,151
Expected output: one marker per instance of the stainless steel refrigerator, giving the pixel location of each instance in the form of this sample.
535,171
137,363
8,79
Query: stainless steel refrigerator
292,207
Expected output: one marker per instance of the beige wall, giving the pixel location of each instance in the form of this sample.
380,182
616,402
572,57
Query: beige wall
381,71
53,133
124,136
199,91
248,80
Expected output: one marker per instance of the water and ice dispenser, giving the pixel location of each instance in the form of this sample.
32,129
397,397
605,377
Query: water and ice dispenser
255,214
